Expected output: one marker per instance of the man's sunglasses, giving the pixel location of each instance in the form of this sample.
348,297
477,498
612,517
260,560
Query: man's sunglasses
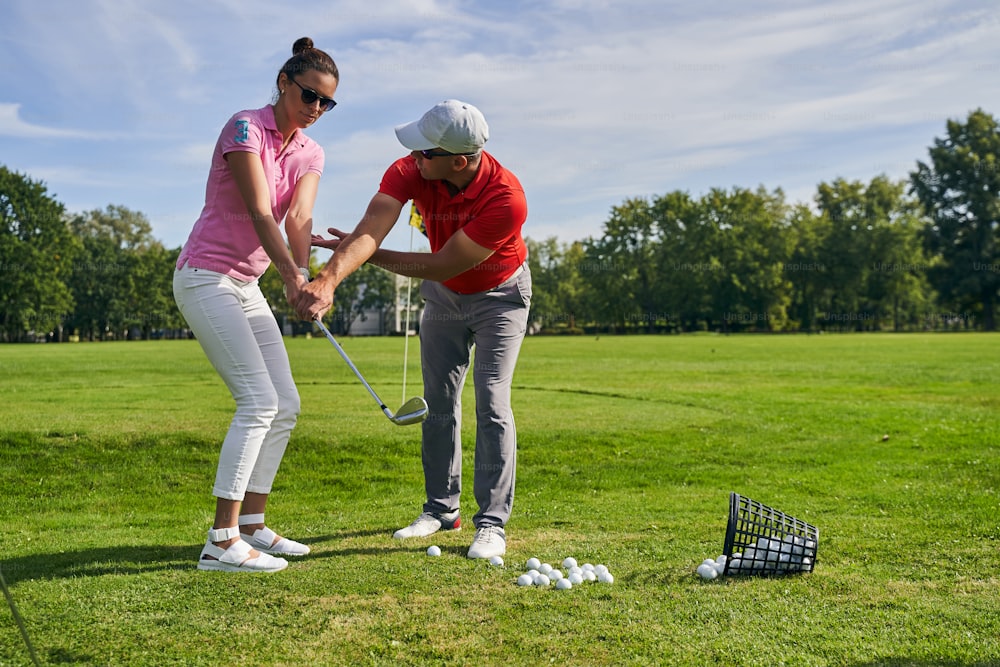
309,96
427,155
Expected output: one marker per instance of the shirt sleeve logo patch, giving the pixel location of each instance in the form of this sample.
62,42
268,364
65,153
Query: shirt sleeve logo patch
242,131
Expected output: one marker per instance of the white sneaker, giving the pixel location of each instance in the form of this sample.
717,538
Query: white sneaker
489,541
237,559
429,523
263,540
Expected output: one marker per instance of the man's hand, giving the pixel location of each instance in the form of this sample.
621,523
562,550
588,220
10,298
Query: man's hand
314,299
330,244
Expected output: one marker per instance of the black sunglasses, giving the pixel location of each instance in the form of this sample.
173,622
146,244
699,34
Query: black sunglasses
428,154
309,96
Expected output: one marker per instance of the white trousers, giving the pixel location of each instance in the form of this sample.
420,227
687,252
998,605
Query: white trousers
235,327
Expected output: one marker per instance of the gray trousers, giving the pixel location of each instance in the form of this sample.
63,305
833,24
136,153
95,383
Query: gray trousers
494,322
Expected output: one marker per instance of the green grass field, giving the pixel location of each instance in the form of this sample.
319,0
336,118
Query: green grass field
628,450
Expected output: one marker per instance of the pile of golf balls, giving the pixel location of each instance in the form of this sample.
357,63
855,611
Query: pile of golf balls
768,555
710,569
543,574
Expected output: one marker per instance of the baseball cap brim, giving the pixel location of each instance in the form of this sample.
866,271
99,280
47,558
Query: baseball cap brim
411,137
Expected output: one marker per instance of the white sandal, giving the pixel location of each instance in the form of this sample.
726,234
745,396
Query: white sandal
263,539
237,557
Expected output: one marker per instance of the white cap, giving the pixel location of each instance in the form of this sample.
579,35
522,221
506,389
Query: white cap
454,126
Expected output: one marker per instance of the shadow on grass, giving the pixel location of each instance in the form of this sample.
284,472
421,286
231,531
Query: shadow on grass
125,560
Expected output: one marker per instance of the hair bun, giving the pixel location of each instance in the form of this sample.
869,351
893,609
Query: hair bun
301,44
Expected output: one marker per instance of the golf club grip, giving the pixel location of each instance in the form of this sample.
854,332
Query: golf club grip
350,363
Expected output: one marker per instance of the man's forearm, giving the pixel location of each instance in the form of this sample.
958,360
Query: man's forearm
352,252
423,265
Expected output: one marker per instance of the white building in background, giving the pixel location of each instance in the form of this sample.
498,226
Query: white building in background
390,320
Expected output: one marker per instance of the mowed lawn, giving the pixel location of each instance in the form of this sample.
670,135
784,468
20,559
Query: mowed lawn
629,447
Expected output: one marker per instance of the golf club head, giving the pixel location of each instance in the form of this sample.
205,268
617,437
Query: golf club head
413,411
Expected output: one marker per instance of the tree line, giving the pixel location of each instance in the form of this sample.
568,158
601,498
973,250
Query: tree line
919,254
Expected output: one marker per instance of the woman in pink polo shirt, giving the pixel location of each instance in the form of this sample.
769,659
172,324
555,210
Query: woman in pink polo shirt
264,170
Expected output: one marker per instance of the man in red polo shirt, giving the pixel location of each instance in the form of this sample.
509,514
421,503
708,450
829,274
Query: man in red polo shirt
476,288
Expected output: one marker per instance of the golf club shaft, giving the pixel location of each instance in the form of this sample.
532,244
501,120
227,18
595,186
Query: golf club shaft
18,619
354,368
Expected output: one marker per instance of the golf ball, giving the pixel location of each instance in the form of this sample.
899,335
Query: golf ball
563,584
533,563
542,580
600,568
735,564
434,551
587,566
544,568
496,560
525,580
575,578
707,572
556,575
606,578
569,562
590,575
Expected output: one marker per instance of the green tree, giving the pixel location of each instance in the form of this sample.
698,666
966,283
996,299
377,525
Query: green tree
559,290
626,290
683,259
544,258
36,253
806,270
896,286
844,253
868,248
749,290
960,190
122,278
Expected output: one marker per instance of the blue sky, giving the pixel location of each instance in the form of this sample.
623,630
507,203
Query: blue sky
589,103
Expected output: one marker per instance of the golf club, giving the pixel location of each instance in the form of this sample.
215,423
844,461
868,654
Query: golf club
413,411
18,620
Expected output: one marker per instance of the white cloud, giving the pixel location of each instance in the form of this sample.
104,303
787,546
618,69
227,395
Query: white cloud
12,125
589,102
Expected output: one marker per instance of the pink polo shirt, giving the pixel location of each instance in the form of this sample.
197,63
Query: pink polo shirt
223,238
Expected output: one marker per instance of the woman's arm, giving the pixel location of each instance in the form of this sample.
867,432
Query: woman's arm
299,220
249,174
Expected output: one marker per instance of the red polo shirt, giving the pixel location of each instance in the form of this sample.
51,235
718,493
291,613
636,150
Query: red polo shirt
491,210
